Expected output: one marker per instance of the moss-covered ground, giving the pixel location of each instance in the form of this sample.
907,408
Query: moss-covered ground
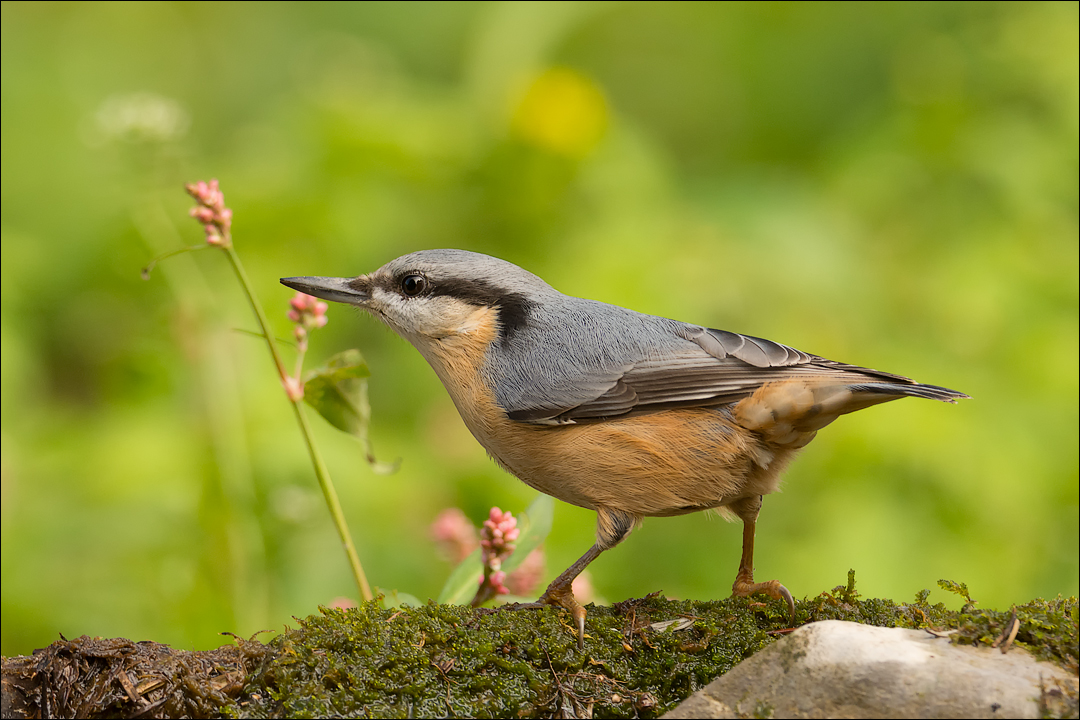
452,661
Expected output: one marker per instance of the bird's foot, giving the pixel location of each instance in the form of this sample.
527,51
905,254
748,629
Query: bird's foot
745,587
563,596
559,596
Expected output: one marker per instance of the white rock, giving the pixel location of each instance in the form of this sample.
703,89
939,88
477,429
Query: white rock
836,669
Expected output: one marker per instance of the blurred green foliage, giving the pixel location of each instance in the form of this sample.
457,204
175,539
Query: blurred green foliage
893,185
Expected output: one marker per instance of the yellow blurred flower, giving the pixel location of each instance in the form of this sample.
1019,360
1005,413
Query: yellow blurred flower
562,111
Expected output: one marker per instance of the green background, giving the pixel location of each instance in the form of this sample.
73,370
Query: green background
889,185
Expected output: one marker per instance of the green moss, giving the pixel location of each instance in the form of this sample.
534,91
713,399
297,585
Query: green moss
442,660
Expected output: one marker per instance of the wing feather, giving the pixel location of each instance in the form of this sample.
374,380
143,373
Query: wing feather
719,367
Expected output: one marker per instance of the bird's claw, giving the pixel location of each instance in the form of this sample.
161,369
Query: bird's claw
559,597
562,596
744,587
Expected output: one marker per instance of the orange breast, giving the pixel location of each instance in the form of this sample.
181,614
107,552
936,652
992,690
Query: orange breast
664,463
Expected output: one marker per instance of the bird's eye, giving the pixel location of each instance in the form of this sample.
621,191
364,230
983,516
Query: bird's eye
413,285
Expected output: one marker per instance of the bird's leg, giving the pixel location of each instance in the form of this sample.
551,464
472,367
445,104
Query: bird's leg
560,592
612,526
744,585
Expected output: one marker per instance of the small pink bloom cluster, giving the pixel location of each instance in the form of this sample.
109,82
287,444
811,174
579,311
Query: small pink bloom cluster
497,538
454,534
307,312
524,579
211,211
456,538
342,603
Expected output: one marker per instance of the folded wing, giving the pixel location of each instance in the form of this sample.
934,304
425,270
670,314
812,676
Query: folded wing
718,367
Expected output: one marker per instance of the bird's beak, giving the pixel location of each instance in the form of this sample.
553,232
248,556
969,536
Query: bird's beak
352,291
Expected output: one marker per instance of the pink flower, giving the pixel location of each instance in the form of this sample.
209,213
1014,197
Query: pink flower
497,538
342,603
211,211
454,534
202,214
499,533
307,311
497,581
582,588
293,388
525,578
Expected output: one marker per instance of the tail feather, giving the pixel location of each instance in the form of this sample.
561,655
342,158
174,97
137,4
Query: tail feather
930,392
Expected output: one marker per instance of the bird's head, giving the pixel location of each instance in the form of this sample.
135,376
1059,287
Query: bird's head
432,295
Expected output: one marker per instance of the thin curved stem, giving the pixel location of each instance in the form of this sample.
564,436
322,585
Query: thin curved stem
325,483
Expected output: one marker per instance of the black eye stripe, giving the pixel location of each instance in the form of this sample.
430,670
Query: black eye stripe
514,308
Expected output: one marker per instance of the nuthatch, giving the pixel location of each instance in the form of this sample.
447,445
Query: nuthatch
605,408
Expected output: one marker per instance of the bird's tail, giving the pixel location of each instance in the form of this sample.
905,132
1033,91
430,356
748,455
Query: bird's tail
897,390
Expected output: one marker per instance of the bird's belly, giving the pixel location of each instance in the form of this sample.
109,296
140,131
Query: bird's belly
665,463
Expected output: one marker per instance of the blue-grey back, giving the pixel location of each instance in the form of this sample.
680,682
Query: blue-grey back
574,350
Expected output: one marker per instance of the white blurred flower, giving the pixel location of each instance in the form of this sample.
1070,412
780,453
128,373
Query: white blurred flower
292,503
142,117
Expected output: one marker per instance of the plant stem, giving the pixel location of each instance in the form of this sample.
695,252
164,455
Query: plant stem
335,507
264,325
325,483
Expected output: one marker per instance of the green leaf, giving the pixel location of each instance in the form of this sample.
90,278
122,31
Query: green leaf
954,587
461,586
394,599
338,392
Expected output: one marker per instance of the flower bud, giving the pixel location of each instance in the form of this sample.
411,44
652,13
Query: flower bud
293,388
